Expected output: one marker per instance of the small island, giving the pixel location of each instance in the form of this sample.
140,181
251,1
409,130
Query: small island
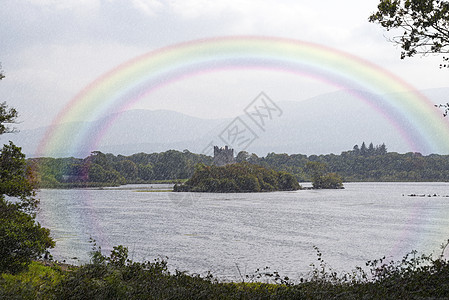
237,178
225,175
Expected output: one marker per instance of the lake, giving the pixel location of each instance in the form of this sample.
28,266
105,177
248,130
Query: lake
225,233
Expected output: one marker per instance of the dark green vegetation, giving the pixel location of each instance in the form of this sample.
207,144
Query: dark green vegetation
372,163
101,169
321,179
238,177
364,163
423,25
21,238
117,277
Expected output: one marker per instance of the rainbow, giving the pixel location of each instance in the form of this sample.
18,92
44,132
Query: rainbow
416,118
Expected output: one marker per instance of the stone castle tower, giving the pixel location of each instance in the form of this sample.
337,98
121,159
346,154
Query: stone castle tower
223,156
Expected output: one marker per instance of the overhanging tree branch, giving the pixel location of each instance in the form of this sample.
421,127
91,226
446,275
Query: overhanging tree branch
425,24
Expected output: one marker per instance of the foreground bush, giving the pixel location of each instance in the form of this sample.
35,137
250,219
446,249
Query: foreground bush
36,282
117,277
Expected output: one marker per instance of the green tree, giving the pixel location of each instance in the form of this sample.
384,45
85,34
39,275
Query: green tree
128,169
287,182
172,165
99,174
424,25
382,149
228,185
16,178
321,179
242,156
145,172
253,159
248,183
329,181
363,149
371,150
101,159
21,238
316,168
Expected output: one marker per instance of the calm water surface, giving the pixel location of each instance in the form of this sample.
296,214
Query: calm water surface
218,232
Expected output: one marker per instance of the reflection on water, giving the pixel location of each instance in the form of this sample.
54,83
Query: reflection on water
202,232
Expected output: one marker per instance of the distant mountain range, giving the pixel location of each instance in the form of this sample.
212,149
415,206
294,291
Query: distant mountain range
329,123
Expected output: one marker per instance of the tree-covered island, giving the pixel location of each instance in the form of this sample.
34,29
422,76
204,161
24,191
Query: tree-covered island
238,178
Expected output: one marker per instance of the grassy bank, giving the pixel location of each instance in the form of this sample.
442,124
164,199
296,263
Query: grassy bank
117,277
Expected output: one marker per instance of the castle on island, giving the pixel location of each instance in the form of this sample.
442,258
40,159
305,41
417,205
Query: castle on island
223,156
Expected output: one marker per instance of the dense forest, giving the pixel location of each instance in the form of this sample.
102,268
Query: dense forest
107,169
372,163
238,178
364,163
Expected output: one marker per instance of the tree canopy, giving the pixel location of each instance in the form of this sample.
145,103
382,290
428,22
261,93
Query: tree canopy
238,177
100,169
424,25
322,179
21,238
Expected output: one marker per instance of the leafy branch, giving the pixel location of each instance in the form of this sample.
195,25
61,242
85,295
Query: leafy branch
425,25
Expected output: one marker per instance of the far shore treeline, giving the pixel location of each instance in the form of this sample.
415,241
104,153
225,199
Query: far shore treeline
364,163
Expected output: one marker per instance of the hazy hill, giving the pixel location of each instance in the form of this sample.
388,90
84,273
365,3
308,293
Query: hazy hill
131,132
329,123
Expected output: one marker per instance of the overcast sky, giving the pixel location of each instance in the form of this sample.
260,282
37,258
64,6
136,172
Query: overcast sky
52,49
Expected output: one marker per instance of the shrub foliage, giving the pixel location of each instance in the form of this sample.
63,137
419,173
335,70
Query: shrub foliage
239,177
117,277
